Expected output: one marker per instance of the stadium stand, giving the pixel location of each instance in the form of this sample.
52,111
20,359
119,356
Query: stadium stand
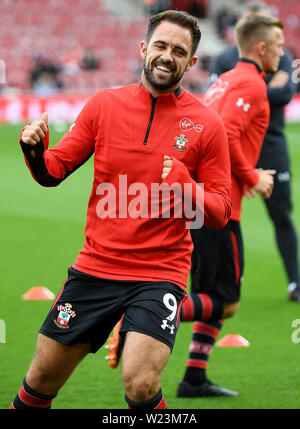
61,34
59,37
46,53
290,16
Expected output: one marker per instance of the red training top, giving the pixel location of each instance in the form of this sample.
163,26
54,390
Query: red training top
129,133
240,98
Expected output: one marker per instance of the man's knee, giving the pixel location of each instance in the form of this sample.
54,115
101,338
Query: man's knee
43,378
229,309
140,387
279,211
42,373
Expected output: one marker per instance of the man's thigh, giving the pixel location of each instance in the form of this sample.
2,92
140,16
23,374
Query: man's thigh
53,364
279,204
151,320
143,361
144,355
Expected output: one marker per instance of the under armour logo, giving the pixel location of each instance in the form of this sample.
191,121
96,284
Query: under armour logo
240,103
284,177
186,124
166,325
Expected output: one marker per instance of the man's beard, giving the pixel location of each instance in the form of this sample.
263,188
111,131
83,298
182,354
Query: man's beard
156,83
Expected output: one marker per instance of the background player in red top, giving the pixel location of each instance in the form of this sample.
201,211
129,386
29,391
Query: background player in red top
240,97
275,152
132,263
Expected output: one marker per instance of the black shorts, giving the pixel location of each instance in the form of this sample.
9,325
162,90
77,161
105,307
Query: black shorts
218,261
87,309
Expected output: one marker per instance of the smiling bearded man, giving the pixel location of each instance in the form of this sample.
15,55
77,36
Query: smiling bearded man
136,266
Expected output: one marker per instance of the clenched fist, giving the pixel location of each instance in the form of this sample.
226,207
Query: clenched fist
36,131
264,186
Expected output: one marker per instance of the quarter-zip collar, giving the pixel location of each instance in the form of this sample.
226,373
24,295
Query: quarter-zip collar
169,98
246,60
161,97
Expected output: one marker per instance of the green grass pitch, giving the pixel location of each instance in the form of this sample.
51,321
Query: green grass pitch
41,234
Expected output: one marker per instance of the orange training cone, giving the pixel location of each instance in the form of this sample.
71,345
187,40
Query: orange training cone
38,293
113,346
233,340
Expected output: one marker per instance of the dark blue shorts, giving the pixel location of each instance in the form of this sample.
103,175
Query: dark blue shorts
87,309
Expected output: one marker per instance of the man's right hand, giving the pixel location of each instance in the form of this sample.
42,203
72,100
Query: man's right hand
36,131
279,80
265,183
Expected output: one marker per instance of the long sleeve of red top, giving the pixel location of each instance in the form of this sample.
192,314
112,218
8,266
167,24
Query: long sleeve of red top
240,98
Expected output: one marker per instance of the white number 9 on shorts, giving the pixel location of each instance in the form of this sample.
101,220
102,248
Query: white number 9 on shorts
171,304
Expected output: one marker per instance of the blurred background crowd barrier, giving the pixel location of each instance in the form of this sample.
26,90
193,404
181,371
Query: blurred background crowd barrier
56,53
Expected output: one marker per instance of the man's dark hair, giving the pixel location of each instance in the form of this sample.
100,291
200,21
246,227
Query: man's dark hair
253,28
181,18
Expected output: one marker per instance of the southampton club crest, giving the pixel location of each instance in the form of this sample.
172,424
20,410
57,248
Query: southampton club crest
180,143
64,315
